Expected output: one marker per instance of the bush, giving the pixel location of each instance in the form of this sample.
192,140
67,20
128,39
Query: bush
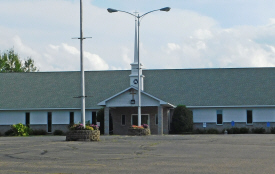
233,130
199,131
272,130
0,134
9,132
212,131
182,120
258,130
38,132
244,130
20,130
58,132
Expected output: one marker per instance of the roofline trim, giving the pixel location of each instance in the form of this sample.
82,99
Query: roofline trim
42,109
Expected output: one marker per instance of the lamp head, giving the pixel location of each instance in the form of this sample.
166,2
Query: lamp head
165,9
111,10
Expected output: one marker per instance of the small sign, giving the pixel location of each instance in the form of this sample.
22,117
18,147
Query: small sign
204,124
232,123
98,124
268,124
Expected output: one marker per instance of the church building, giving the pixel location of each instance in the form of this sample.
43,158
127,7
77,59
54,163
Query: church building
48,100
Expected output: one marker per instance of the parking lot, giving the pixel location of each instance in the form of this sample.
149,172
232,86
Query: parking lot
151,154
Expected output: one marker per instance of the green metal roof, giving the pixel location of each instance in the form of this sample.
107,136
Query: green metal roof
191,87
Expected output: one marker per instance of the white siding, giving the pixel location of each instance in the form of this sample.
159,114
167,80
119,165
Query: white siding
204,115
38,117
88,116
60,117
263,115
234,114
13,117
77,117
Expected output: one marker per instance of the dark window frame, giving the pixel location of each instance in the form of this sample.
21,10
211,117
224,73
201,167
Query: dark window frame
71,122
49,121
94,117
123,120
249,117
219,118
28,118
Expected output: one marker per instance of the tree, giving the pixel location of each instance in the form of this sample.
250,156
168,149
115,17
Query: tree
10,62
182,120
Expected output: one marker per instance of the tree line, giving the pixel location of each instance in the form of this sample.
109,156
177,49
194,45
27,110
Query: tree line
11,62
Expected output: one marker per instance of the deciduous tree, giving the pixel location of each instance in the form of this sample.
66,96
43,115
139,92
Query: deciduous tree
10,62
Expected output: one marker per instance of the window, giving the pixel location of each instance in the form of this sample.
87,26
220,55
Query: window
49,122
144,119
27,119
134,120
123,120
93,117
71,118
157,119
219,117
249,117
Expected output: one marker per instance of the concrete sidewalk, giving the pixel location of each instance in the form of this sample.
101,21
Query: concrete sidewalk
151,154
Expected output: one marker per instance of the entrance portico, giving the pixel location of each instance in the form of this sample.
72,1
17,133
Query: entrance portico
123,109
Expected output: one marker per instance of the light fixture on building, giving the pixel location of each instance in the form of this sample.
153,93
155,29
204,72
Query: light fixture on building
133,101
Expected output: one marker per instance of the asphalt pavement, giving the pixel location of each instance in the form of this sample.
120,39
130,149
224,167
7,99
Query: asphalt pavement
147,154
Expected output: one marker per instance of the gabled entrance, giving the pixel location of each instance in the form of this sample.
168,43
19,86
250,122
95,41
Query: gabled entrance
124,112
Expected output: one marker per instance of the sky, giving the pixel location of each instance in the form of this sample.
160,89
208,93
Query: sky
193,34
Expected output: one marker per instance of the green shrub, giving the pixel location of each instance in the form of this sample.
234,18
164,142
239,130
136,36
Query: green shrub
200,131
20,130
58,132
212,131
182,120
38,132
9,132
272,130
233,130
258,130
244,130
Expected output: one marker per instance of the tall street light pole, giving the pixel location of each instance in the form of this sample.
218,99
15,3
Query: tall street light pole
138,17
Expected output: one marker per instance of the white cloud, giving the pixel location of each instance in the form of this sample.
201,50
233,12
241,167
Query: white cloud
173,46
178,39
94,62
70,49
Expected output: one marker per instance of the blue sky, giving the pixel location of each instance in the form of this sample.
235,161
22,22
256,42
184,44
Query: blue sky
194,34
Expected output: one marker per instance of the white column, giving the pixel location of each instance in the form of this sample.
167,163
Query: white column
106,121
160,120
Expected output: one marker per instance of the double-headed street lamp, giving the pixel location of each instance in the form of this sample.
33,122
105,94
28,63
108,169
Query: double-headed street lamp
138,17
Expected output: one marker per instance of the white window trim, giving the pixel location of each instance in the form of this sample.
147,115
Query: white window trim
217,117
252,117
141,114
121,120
